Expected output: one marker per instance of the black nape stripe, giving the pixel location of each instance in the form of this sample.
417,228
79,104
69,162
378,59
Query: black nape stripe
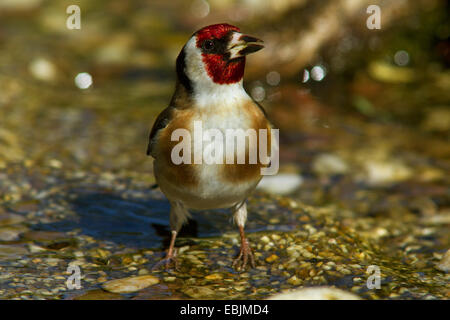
181,71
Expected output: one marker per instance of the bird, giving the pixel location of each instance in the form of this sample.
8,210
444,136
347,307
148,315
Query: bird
209,89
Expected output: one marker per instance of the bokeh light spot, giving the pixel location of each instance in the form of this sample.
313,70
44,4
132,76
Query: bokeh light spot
83,80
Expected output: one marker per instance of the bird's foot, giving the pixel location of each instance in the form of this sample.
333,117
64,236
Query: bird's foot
245,254
168,261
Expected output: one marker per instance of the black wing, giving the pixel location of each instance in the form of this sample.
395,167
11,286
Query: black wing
161,122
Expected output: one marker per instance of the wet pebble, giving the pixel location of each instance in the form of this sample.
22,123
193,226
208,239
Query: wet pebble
283,183
10,218
294,281
385,172
329,164
130,284
444,264
214,276
98,295
11,233
198,292
317,293
12,251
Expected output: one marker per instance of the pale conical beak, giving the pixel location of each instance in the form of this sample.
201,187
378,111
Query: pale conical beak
241,45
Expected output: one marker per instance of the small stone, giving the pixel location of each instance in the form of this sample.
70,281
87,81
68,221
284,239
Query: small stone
181,250
442,217
12,251
193,259
272,258
307,254
99,253
143,272
294,251
130,284
98,295
136,257
10,219
11,233
283,183
34,248
332,241
381,173
52,261
274,220
46,293
294,281
317,293
214,276
275,237
265,239
126,260
55,163
444,264
329,164
169,279
381,232
239,288
197,292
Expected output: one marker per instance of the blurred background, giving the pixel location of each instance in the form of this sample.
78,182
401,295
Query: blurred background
363,113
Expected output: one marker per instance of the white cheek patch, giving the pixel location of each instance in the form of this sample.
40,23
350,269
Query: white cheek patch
195,68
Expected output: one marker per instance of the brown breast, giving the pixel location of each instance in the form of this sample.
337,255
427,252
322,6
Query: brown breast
234,173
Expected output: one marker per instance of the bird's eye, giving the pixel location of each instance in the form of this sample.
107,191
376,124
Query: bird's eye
208,45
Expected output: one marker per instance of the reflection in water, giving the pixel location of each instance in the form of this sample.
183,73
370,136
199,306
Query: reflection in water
144,223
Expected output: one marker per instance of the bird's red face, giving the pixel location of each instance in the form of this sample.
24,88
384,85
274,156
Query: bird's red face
223,49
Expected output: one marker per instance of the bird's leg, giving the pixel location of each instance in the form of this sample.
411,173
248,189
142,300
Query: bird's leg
171,256
178,216
245,253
